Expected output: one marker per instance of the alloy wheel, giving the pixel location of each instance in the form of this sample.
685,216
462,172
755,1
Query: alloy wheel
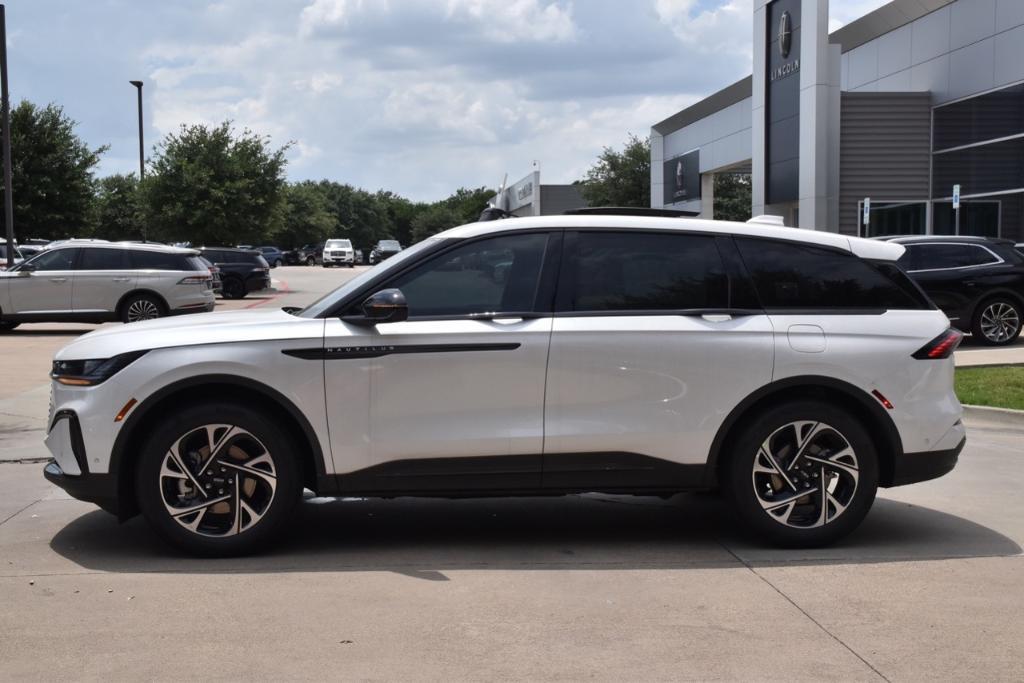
805,474
142,309
217,480
1000,322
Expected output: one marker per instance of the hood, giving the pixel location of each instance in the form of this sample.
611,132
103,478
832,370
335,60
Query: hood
191,330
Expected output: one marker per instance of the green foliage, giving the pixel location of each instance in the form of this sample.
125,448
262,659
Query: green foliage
51,173
308,217
215,186
434,219
620,178
467,204
116,212
732,197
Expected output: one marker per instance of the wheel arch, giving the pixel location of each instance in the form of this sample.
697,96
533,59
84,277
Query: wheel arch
880,425
138,425
994,293
137,291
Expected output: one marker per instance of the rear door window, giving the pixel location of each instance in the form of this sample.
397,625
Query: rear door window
946,256
641,271
789,275
99,258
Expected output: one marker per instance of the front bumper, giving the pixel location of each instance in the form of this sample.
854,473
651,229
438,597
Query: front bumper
99,489
339,259
911,468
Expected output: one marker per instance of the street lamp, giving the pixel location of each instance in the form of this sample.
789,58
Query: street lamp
142,162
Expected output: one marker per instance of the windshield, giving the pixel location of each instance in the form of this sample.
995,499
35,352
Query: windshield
339,244
389,244
327,302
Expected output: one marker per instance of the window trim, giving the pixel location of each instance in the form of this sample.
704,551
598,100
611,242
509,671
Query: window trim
998,259
570,242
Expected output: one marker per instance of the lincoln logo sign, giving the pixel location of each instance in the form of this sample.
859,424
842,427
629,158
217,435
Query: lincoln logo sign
785,35
785,45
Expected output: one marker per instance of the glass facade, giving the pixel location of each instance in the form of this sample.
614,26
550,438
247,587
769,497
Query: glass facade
978,143
894,218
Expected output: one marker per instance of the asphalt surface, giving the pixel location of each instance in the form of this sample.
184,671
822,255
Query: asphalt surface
597,587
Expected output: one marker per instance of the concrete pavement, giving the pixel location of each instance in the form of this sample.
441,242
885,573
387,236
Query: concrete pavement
599,587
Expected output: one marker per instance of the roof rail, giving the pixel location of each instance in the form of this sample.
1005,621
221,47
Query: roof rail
766,219
630,211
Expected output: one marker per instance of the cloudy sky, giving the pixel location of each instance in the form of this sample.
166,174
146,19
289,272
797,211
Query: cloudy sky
416,96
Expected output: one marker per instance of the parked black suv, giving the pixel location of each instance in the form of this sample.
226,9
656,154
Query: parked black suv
977,281
383,250
241,270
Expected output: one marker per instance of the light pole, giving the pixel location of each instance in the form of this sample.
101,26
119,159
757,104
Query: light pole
142,153
142,161
8,201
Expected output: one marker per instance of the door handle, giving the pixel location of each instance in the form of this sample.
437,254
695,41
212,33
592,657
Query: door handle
717,317
506,321
121,279
58,279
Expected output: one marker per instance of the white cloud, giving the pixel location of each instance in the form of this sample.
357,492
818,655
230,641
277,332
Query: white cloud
724,29
517,20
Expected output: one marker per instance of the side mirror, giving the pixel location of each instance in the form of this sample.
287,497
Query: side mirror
386,306
26,269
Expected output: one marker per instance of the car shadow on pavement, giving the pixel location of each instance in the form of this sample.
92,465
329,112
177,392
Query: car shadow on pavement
425,537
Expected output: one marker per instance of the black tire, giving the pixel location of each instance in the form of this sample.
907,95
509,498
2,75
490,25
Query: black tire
752,492
310,260
217,531
141,307
277,263
233,288
997,321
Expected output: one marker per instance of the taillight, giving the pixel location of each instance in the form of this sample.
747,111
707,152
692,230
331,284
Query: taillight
195,279
942,346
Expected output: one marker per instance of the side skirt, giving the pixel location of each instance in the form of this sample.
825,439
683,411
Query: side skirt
518,475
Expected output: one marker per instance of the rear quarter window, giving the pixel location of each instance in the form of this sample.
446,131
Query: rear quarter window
946,256
796,276
158,260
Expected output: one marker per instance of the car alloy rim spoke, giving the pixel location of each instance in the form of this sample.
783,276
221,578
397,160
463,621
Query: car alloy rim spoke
218,480
999,322
142,310
805,474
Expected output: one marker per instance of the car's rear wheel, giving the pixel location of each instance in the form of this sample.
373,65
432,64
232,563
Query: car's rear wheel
277,263
310,260
218,479
997,322
233,288
142,307
802,474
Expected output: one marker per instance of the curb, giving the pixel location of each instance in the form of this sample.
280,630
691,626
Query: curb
1003,416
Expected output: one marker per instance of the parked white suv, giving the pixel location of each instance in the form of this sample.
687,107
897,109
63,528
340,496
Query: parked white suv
95,281
796,370
338,253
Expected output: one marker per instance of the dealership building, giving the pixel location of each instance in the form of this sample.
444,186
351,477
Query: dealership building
893,110
527,197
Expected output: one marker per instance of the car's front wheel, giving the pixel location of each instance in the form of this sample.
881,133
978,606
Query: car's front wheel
310,260
142,307
802,474
998,322
218,479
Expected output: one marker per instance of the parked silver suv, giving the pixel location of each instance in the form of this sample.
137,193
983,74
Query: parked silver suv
93,281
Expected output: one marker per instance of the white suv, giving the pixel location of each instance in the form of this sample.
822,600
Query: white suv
795,370
96,281
338,252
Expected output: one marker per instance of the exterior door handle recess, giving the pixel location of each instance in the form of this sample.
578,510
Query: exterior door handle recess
121,279
717,317
58,279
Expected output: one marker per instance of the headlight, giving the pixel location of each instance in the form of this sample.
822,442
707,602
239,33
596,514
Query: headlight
87,373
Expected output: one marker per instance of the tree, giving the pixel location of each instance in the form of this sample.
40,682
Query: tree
51,173
434,219
215,186
732,197
116,212
308,218
468,204
620,178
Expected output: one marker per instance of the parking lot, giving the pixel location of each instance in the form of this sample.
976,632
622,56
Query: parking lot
594,586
